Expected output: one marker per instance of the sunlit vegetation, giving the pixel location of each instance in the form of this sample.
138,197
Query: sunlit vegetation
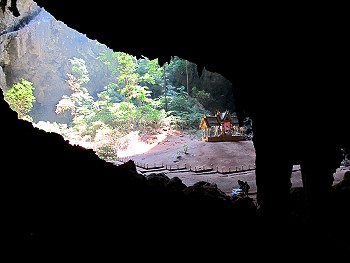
20,97
140,99
138,103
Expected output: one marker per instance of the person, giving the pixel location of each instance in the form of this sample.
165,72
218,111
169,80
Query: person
244,186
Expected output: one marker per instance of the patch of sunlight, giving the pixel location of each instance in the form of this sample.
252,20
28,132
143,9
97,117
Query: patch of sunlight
138,146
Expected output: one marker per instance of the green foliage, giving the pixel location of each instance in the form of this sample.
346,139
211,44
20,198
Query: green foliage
105,143
148,118
176,65
185,150
20,98
65,104
109,95
79,70
106,152
149,71
203,97
187,111
80,103
129,79
123,117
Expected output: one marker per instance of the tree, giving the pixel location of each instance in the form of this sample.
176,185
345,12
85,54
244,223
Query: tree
20,98
80,101
128,79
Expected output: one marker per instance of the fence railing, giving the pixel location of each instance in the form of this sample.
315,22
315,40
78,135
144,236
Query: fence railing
186,167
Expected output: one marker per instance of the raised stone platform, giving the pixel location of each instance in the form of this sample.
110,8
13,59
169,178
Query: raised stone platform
224,138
